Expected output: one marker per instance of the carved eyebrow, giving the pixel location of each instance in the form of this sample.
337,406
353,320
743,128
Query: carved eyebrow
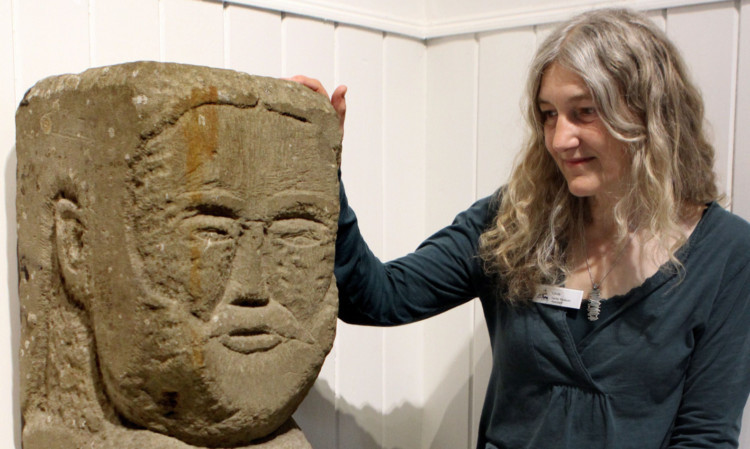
213,202
217,210
290,204
310,205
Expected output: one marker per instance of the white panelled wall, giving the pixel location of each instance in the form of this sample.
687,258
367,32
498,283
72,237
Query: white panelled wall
432,125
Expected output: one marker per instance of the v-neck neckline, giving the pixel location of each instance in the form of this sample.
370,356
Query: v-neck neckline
614,307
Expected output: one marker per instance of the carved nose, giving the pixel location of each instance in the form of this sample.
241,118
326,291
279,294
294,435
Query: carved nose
246,287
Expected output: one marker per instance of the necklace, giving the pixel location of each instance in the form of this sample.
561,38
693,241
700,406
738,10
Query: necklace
595,299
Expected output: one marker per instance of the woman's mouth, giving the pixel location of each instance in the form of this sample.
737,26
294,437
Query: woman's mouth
578,161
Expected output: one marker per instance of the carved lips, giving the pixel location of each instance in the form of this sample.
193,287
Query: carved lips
247,341
256,329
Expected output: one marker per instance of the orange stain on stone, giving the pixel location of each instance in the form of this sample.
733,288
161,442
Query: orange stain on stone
202,137
197,346
196,292
201,134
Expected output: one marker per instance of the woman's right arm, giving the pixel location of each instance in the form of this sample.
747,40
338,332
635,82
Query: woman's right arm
443,272
440,274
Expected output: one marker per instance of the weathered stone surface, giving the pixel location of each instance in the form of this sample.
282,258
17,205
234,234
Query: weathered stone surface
175,241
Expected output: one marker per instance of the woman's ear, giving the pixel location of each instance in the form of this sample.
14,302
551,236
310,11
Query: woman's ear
71,253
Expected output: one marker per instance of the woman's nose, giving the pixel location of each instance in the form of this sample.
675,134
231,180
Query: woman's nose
246,287
565,135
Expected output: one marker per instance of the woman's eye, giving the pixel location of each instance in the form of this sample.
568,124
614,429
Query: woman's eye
548,116
587,113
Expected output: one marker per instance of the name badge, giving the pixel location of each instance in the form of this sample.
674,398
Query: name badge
558,296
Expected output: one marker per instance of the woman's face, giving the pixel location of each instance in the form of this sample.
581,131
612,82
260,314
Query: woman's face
592,161
214,323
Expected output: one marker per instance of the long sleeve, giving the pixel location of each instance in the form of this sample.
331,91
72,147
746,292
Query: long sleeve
443,272
718,377
667,367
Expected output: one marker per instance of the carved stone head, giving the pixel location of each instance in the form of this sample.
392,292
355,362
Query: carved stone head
176,241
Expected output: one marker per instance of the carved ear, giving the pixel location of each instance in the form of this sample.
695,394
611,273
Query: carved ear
71,254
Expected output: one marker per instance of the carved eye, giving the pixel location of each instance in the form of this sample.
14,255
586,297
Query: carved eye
212,228
299,232
212,233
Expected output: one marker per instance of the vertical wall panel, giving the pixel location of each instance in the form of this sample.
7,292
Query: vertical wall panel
192,32
741,190
658,17
450,179
711,57
359,65
52,38
254,40
503,65
124,31
404,96
447,376
451,136
9,308
403,229
7,79
308,48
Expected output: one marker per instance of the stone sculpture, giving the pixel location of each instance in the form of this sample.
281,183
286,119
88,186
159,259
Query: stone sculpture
175,241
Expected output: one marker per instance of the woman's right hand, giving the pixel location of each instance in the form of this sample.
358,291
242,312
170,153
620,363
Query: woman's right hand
338,99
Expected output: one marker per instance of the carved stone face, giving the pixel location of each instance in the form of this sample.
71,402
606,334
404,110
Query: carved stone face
214,320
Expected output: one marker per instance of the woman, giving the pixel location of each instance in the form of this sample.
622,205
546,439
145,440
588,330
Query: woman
613,198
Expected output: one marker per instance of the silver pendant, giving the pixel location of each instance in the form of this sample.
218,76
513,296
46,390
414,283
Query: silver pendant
595,303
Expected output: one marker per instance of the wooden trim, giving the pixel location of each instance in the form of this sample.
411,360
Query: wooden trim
341,14
424,28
